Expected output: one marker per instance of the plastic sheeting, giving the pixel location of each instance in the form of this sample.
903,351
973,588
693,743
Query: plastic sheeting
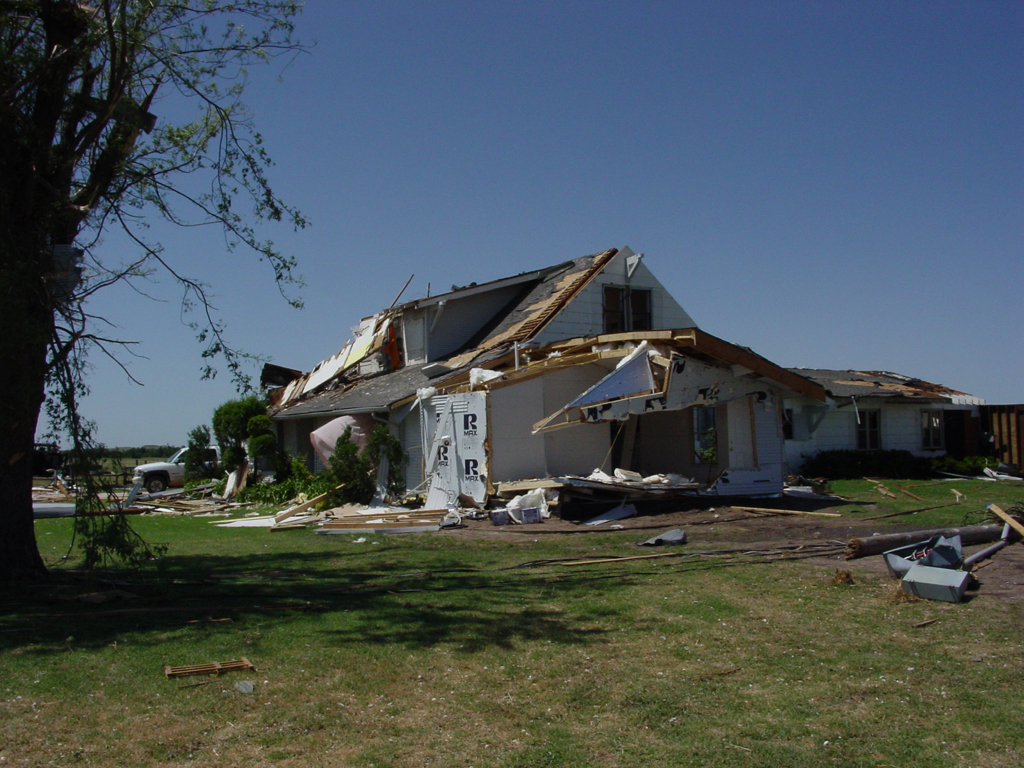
326,437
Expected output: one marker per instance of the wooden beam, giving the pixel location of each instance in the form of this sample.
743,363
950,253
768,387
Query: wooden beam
292,511
787,512
1006,518
213,668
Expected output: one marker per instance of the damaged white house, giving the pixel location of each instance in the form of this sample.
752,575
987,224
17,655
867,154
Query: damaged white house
550,374
880,410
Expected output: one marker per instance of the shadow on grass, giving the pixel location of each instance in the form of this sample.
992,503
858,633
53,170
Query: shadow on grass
407,597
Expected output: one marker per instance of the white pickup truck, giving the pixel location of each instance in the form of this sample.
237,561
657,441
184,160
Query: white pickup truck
161,475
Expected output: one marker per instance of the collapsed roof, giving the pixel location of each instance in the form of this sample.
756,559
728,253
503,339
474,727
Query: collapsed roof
371,372
535,298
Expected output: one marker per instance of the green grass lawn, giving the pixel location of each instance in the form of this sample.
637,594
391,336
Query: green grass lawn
444,650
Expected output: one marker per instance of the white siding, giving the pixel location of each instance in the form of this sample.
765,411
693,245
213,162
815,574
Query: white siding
414,336
899,424
580,449
767,477
461,319
412,443
516,454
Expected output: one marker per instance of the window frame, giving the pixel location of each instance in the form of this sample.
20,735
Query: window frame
928,430
631,310
868,434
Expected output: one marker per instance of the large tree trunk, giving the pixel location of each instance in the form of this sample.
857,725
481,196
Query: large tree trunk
26,325
19,554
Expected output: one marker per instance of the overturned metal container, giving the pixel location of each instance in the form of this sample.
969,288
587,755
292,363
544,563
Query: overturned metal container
936,552
934,583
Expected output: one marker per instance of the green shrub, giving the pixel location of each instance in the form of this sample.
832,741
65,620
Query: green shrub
968,465
282,492
200,459
231,428
356,469
850,464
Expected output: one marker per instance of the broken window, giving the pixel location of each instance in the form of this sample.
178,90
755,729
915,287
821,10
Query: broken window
787,424
639,310
869,430
931,429
705,435
626,309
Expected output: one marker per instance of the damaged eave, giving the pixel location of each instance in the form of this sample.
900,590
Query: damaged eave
707,344
893,387
613,346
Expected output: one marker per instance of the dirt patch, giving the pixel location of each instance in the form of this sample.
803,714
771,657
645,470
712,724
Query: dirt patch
713,527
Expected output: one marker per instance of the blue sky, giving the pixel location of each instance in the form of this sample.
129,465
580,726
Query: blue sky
833,184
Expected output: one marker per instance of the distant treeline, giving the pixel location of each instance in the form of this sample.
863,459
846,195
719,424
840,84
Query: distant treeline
143,452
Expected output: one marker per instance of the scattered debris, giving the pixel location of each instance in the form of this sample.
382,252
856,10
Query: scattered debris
935,568
499,517
977,557
842,577
933,583
1000,475
710,675
885,491
765,510
619,513
904,512
937,552
675,536
876,545
1013,522
299,508
213,668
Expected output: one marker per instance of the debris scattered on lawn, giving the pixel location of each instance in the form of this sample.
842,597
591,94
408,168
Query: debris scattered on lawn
876,545
1011,521
925,623
499,517
619,513
297,509
213,668
1000,475
675,536
935,568
247,522
885,491
904,512
937,552
933,583
842,577
791,552
766,511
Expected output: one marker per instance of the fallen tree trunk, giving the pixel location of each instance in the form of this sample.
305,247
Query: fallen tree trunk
876,545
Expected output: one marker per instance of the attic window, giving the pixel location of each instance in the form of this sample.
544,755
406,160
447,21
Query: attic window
626,309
